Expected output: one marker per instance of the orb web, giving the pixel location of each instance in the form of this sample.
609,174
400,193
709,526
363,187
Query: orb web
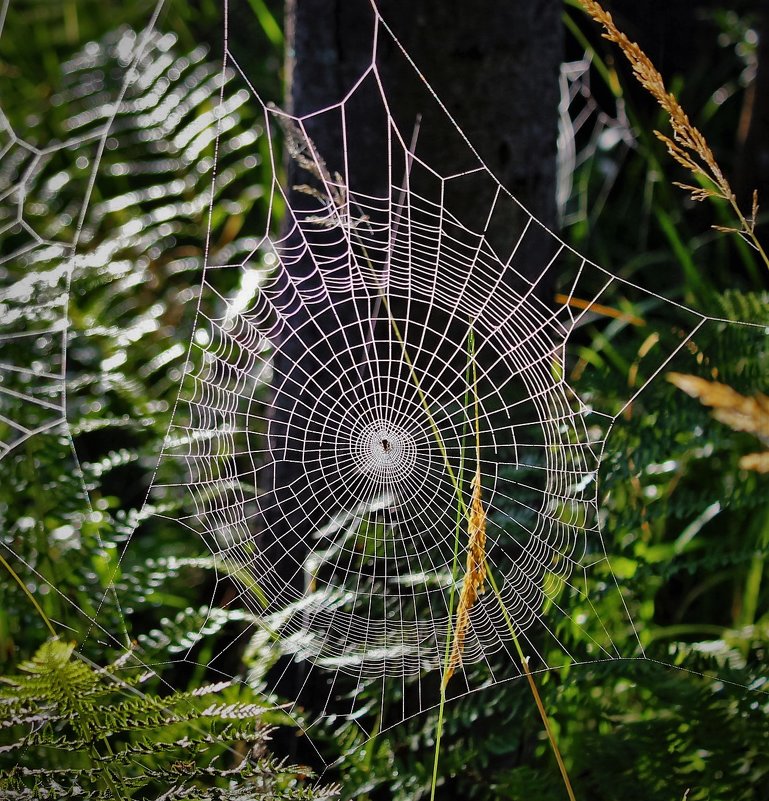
392,337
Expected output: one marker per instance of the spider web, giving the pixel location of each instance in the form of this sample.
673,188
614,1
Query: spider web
350,545
132,105
40,249
393,336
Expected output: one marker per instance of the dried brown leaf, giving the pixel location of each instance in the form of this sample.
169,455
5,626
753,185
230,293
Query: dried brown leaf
756,461
741,413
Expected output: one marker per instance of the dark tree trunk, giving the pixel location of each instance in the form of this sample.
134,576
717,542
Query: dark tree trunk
494,65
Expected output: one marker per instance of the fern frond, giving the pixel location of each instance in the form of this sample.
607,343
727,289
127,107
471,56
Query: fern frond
93,737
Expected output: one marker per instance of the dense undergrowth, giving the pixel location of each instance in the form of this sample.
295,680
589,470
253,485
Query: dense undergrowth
686,527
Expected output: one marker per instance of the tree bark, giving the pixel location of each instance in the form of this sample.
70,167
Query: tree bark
494,65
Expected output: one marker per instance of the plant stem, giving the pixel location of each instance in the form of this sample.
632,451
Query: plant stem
438,734
534,691
29,595
462,513
423,400
748,230
455,562
752,587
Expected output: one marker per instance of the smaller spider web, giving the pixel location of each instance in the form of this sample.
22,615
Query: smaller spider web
51,233
335,506
41,227
33,311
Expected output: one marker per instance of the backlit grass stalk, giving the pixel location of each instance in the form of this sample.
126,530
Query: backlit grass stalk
534,691
15,576
472,584
688,145
454,566
475,515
